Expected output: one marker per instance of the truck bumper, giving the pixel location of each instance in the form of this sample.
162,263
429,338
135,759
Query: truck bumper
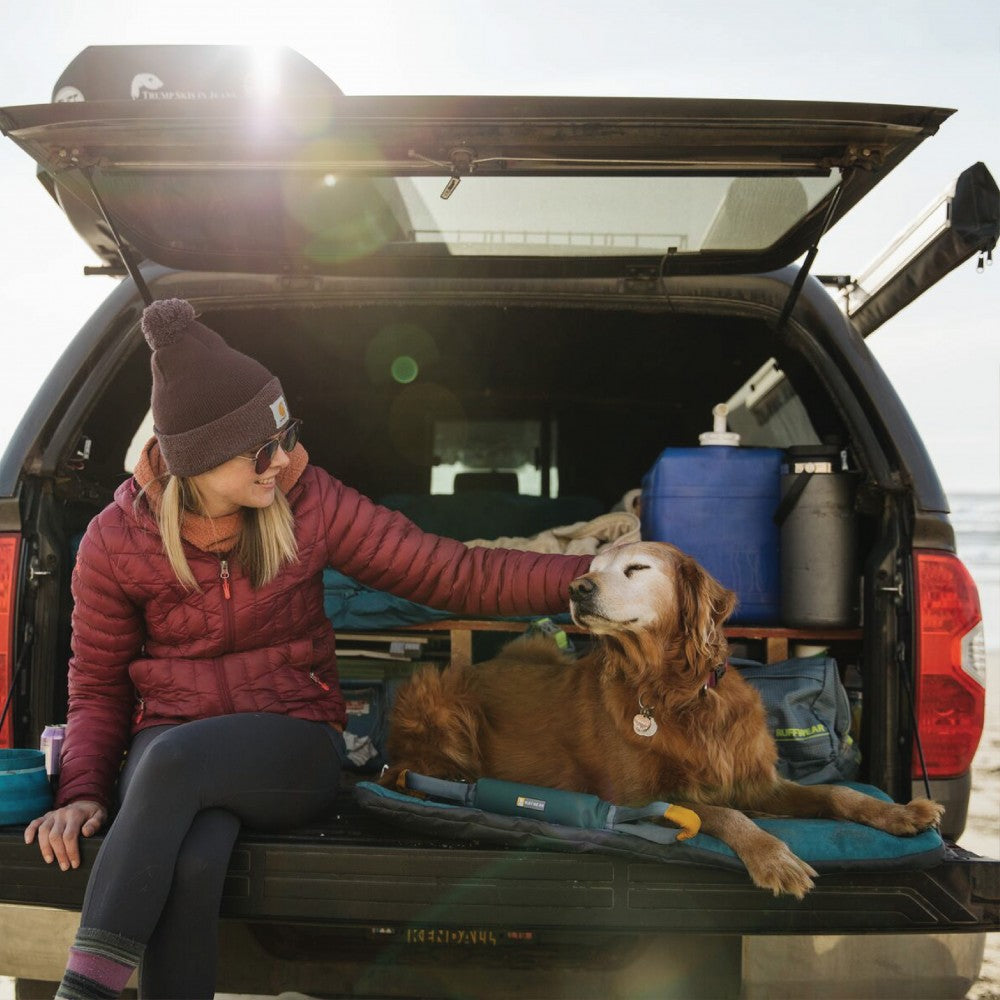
271,959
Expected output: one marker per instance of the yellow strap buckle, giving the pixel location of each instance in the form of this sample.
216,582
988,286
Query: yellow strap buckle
688,820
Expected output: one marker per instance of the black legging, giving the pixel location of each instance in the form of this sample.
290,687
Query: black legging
185,790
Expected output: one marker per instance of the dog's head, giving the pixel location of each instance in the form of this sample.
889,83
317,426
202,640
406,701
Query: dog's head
653,594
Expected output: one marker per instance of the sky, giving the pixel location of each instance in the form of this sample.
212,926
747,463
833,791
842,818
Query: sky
942,352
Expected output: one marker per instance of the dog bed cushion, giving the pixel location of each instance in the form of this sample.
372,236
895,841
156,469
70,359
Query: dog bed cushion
828,845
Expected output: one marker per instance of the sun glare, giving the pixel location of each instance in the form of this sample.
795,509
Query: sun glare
263,82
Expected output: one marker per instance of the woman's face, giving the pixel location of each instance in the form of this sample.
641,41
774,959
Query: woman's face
236,484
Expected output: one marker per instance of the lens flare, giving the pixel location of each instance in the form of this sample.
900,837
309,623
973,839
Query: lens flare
340,215
404,369
398,348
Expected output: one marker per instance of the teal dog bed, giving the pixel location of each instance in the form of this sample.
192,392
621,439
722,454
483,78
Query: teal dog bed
826,844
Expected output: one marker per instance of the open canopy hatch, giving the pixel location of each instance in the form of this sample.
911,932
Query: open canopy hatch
313,181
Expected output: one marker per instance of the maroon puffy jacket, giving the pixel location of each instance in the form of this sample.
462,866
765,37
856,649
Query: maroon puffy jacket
147,652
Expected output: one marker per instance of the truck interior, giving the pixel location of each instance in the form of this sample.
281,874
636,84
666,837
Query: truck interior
484,420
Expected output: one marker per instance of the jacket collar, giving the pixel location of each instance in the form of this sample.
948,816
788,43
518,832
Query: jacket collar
210,534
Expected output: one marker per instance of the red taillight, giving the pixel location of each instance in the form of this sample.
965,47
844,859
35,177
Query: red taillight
9,546
951,665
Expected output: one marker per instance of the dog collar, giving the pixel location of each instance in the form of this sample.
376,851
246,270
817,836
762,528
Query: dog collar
714,677
643,723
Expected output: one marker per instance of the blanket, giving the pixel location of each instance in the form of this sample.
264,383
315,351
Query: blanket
580,538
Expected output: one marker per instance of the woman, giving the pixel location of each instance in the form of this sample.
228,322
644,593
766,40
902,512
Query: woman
199,635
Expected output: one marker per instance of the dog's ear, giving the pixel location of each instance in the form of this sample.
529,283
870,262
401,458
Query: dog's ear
704,606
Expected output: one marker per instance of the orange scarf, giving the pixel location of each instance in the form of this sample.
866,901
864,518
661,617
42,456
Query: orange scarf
210,534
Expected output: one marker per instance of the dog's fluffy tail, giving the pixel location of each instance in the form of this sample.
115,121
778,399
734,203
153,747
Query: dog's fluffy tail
434,728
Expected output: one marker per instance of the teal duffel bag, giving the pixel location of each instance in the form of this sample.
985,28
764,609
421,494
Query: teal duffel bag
25,793
808,715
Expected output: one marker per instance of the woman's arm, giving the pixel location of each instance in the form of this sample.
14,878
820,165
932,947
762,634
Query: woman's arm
383,549
108,633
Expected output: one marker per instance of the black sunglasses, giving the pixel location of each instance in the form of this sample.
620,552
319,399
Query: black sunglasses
286,441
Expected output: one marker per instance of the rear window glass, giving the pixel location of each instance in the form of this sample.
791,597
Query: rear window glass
581,216
506,455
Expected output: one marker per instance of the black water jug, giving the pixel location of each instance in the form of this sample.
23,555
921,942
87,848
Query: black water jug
819,538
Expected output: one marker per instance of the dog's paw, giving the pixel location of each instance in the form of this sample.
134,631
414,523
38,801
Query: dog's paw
914,817
780,871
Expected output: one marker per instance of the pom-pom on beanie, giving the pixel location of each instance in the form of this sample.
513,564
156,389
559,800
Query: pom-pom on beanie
210,402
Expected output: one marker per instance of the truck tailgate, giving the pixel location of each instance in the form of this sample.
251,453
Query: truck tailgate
351,869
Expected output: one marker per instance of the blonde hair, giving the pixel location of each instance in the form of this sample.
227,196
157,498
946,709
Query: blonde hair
266,540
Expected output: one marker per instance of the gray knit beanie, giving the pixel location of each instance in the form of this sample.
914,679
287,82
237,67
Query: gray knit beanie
210,402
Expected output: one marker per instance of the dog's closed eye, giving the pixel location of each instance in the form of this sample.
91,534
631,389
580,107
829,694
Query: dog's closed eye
634,568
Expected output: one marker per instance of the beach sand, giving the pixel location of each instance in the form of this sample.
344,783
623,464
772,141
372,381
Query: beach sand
982,832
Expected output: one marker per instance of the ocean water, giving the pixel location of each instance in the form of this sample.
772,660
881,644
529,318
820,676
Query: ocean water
976,519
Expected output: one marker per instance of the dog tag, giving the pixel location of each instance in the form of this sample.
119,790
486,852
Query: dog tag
644,725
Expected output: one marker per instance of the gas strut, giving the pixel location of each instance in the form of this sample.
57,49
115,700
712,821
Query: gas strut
123,251
803,273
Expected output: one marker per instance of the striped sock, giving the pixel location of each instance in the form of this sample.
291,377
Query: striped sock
99,965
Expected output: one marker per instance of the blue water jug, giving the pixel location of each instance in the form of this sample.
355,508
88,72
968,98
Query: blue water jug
717,503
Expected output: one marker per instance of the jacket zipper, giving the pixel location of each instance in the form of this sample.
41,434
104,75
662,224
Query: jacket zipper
230,631
227,606
227,611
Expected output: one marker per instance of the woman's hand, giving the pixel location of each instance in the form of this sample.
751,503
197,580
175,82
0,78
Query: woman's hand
59,831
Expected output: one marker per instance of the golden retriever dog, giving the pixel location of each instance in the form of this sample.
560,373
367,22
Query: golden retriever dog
650,713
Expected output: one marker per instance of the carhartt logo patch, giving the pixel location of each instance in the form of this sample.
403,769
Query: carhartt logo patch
280,411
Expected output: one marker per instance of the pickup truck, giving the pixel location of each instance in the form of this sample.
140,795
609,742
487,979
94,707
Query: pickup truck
535,297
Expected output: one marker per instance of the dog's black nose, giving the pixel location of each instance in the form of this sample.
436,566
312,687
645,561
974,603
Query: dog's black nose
582,588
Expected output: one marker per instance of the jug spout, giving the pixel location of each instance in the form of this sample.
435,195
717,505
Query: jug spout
719,434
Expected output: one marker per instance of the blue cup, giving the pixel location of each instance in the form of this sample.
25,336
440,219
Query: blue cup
25,793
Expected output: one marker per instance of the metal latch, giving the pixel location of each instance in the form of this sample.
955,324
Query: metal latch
463,159
81,455
896,588
35,571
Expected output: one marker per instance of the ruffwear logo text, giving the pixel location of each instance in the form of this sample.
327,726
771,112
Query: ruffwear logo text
801,734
